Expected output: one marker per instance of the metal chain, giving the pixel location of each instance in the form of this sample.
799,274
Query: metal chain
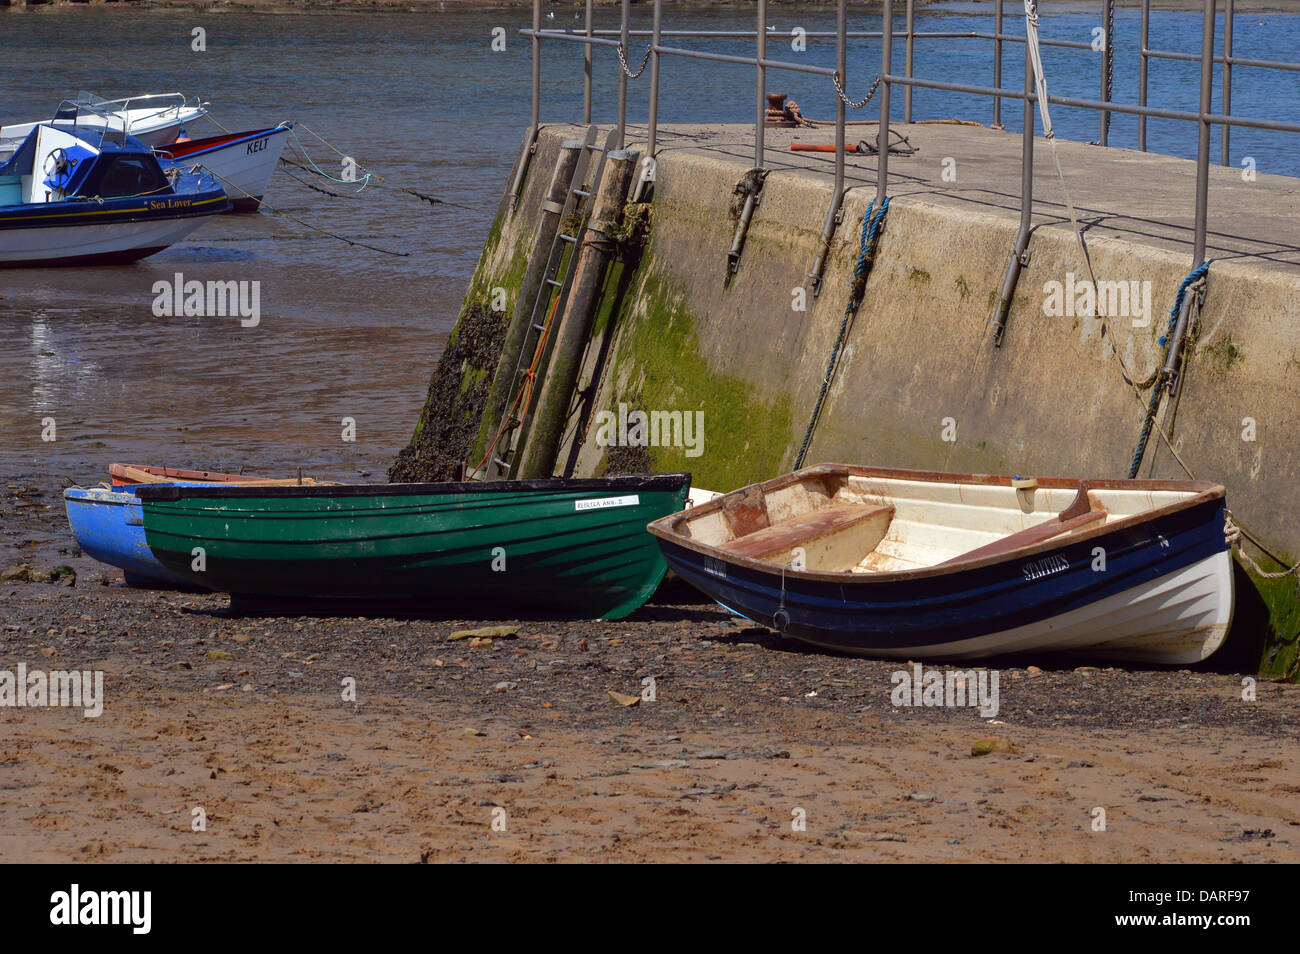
622,60
1110,64
839,91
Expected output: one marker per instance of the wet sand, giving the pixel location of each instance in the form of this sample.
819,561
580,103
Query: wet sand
241,713
746,728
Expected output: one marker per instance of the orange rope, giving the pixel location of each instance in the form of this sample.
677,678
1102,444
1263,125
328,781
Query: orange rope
530,377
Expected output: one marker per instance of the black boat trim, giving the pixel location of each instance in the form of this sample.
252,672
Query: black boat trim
646,482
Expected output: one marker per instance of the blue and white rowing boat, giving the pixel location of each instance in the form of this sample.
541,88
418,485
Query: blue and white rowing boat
109,524
109,527
918,565
72,196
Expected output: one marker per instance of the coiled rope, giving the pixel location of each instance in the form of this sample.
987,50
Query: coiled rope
871,226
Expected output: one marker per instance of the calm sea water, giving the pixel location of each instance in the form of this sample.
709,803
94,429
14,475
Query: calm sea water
421,99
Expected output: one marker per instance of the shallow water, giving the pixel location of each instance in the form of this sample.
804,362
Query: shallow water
421,99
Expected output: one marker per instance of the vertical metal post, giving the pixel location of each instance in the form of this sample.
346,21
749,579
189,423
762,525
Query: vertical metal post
521,168
1026,162
760,73
1107,54
907,60
621,138
1020,254
997,61
1203,140
653,131
1225,107
814,280
586,68
537,64
842,65
1144,29
886,63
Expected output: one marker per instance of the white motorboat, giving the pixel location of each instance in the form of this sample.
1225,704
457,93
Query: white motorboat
155,119
69,196
242,162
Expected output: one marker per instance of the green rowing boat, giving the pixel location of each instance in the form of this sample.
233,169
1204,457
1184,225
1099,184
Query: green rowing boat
576,547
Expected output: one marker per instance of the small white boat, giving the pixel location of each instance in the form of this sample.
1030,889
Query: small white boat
71,197
918,565
155,119
242,162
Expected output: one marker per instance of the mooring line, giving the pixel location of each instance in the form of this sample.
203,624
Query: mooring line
871,226
262,203
314,169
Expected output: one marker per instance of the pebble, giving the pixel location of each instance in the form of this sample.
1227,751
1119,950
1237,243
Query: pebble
991,744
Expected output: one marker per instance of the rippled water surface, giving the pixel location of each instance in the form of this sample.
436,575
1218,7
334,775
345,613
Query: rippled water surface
421,99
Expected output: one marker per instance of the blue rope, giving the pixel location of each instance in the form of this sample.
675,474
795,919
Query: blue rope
870,236
365,180
1196,273
1166,342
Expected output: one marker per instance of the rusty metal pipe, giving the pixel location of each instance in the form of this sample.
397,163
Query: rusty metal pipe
542,445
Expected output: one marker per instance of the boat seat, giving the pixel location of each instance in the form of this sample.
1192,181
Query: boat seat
833,538
1061,524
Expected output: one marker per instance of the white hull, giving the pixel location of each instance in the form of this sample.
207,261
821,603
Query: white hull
921,565
58,243
243,169
1178,619
150,126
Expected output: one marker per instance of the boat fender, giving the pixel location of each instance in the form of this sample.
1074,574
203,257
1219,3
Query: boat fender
1024,483
780,620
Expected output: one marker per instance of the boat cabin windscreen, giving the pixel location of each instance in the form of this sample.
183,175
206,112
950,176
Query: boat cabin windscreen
120,176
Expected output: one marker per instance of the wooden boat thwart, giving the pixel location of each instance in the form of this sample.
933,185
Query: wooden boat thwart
577,547
911,564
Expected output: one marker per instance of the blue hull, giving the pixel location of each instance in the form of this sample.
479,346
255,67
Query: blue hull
109,527
911,615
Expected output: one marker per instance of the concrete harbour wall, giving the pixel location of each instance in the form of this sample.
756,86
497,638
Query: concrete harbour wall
917,369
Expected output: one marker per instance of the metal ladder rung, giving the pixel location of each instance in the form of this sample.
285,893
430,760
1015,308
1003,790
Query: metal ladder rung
537,327
582,192
501,463
552,281
568,238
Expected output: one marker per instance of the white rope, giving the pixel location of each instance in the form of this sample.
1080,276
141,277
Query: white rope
1040,87
1232,531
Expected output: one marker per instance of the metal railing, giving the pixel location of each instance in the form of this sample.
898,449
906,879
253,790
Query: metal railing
1204,117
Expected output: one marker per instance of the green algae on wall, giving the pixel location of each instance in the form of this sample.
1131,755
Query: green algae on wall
658,367
1281,637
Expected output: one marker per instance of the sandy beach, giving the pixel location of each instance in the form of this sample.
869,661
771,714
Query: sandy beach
241,713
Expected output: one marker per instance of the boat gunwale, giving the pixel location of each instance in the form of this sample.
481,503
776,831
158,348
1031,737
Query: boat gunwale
665,528
648,482
191,148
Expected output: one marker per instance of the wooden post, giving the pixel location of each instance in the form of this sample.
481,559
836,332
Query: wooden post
534,272
596,252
